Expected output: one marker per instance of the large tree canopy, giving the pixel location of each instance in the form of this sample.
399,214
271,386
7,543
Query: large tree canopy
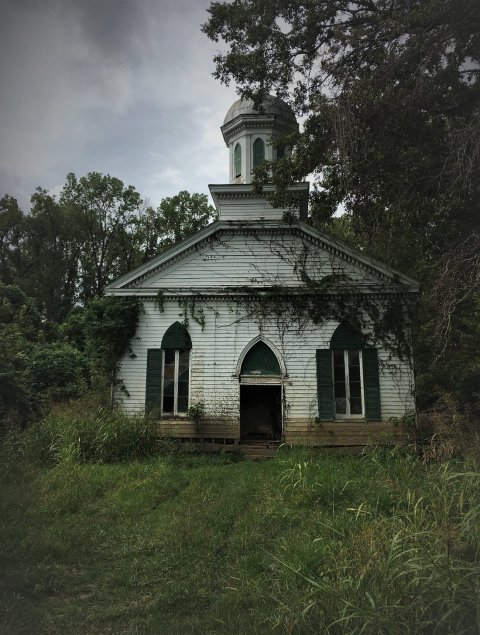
176,218
390,94
66,250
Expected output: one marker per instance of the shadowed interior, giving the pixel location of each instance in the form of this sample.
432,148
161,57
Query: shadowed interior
260,412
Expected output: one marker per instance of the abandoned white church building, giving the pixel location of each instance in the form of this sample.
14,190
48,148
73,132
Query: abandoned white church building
227,330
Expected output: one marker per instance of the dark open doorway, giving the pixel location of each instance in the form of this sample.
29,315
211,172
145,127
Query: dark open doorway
260,412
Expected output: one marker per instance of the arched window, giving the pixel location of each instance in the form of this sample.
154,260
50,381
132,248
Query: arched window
258,152
348,378
260,360
237,161
168,373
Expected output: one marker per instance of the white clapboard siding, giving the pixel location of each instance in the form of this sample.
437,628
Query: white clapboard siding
249,210
214,357
262,259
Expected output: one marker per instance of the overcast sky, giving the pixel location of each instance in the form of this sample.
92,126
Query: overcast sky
122,87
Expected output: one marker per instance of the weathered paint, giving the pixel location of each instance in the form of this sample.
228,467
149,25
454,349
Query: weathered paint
254,245
214,358
257,259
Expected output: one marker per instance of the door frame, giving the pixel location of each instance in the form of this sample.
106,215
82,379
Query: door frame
249,380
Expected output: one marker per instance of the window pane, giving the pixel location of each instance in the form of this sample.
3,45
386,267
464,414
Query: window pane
167,403
339,382
355,390
183,358
168,381
353,358
182,404
338,358
355,405
169,356
168,387
340,390
169,372
183,395
169,367
183,378
354,372
355,387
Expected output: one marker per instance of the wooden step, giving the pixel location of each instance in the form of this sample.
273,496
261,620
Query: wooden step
259,449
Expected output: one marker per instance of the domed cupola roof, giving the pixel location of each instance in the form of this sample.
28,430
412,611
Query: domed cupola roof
270,106
273,117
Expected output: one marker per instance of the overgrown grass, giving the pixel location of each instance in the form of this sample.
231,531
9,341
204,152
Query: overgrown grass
304,543
88,434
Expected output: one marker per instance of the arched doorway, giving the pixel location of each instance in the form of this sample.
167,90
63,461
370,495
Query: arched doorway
260,394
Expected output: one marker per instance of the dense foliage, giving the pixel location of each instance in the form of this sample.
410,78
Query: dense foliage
390,92
59,337
67,249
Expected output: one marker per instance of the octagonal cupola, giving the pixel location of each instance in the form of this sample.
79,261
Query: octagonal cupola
252,134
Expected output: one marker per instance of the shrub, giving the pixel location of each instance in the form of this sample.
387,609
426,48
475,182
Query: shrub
57,371
443,432
91,436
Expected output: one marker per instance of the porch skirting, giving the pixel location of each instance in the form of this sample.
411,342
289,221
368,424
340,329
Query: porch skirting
298,432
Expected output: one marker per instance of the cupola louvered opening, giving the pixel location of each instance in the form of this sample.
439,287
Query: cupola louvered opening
237,161
258,152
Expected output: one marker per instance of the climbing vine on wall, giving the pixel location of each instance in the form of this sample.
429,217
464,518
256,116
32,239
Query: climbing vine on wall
325,291
321,288
160,301
191,310
111,324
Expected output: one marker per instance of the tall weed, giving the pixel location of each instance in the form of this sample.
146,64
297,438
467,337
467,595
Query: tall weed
443,432
413,567
90,436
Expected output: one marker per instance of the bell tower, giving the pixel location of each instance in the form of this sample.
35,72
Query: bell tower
251,135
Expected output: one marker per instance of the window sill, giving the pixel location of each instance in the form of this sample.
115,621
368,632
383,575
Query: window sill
178,417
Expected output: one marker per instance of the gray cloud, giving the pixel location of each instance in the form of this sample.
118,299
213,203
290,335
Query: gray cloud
119,86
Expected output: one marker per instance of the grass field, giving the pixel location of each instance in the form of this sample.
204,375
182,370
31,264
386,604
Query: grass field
304,543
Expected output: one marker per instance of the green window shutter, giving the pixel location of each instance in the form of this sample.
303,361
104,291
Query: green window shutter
154,382
258,152
237,161
325,385
371,384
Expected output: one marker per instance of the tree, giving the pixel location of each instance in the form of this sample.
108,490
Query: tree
104,214
20,327
176,218
11,230
49,254
391,94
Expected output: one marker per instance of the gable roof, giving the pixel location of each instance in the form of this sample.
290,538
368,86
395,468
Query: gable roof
134,282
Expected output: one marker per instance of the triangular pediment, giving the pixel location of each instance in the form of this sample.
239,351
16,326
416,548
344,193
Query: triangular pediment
227,256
